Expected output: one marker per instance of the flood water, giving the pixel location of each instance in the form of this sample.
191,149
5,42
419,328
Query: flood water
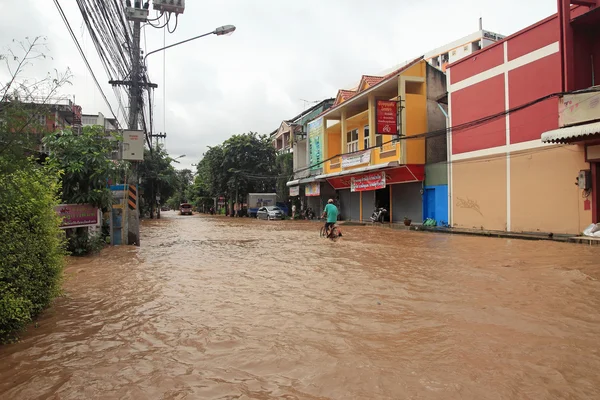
216,308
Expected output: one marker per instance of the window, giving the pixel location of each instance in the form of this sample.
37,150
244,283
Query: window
352,141
379,140
367,137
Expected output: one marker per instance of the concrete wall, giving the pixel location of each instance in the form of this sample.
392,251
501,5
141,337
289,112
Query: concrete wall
543,196
435,147
407,201
300,154
436,174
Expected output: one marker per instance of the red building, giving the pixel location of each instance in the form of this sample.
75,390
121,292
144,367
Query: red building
502,99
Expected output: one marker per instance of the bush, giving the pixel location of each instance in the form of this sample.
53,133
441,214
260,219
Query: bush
31,249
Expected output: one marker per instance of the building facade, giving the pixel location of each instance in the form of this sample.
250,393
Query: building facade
291,137
463,47
502,99
363,164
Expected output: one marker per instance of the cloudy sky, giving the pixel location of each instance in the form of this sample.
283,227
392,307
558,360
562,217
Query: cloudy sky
282,53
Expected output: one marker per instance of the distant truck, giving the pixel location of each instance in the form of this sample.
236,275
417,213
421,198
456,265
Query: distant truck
258,200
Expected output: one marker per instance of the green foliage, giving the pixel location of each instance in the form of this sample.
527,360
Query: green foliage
83,160
32,247
284,166
242,164
158,177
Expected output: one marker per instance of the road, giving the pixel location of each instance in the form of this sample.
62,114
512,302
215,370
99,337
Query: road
220,308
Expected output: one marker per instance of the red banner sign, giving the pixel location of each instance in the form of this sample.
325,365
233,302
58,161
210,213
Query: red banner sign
363,183
405,173
386,115
77,215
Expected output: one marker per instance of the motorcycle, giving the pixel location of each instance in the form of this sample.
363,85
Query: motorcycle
379,215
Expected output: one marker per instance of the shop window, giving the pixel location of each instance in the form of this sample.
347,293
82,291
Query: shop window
367,137
352,141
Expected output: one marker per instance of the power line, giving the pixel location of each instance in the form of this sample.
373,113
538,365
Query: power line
64,18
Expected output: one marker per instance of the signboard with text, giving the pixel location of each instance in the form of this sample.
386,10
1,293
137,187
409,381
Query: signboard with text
316,132
77,215
312,189
372,181
353,159
405,173
294,191
386,115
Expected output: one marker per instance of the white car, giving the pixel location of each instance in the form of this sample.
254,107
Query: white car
270,213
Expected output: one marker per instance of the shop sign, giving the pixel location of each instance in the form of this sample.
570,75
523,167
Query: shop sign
316,132
77,215
372,181
312,189
386,115
351,160
294,191
578,108
406,173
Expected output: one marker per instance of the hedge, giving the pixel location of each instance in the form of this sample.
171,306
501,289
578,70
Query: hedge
31,250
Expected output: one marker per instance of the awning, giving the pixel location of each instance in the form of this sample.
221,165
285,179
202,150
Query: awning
359,170
402,174
572,133
300,181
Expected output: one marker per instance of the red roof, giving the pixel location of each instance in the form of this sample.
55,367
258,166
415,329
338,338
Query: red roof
370,80
344,95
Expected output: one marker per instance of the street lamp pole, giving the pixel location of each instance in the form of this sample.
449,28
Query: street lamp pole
220,31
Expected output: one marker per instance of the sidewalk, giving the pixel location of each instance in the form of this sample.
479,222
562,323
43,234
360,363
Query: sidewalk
565,238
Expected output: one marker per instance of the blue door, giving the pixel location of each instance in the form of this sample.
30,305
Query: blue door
429,203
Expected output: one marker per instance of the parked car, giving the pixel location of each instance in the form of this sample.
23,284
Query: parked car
185,208
283,207
270,213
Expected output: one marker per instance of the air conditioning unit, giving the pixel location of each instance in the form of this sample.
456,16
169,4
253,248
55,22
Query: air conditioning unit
174,6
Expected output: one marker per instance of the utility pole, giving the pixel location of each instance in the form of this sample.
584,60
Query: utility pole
133,236
157,136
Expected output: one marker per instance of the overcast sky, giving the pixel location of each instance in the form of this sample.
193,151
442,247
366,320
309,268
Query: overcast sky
282,53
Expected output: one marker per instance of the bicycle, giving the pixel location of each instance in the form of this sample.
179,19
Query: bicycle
334,233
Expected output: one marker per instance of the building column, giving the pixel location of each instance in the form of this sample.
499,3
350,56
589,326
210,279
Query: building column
360,214
372,126
343,129
325,144
391,205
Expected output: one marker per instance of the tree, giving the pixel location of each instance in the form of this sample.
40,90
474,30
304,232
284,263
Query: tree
32,247
159,177
85,165
25,104
284,166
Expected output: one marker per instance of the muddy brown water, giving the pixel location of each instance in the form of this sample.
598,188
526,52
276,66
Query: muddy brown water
214,308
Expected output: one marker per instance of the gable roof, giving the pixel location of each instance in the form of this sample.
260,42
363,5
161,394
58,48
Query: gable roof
381,81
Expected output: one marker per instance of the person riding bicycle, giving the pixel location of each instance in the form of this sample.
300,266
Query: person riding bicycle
331,212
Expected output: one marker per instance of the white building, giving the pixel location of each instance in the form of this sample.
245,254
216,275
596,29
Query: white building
454,51
109,124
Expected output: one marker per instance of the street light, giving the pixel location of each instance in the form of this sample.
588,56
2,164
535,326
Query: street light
220,31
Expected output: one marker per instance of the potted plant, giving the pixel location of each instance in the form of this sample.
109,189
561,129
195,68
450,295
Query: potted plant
407,221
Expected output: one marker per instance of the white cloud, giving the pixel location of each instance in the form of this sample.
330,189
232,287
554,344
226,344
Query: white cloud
282,52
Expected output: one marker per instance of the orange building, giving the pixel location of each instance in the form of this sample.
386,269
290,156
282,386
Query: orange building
363,161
